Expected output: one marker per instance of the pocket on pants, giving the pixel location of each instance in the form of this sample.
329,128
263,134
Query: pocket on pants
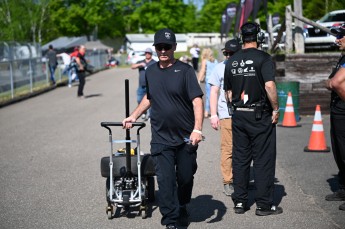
191,148
157,149
192,151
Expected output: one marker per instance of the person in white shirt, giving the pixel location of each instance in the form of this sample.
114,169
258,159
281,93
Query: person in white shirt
66,62
195,52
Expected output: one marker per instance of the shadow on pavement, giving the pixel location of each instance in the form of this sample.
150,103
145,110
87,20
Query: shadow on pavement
93,95
333,183
204,208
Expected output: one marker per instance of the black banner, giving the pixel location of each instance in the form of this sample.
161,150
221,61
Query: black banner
257,4
275,19
227,18
223,24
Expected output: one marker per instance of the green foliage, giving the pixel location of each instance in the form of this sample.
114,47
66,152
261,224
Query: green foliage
21,20
78,18
209,20
150,17
315,9
45,20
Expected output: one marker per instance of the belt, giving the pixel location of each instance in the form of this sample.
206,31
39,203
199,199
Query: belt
244,109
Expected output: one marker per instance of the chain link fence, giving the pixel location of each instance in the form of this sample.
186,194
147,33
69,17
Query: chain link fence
23,70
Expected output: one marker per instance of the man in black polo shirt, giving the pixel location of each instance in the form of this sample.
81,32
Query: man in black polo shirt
175,99
251,90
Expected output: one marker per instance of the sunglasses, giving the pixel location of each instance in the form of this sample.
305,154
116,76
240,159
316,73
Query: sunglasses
225,53
166,47
339,36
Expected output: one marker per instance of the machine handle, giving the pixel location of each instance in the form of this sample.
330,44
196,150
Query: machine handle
106,124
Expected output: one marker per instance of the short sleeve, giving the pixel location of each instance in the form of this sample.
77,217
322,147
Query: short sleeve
193,87
227,76
216,75
268,70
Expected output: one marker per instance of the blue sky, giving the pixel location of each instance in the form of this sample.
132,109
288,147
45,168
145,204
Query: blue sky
198,3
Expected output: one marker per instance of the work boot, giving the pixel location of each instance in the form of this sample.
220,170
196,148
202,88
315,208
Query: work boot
240,208
183,219
337,196
228,189
274,210
342,207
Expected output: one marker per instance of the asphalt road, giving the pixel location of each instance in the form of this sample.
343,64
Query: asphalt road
51,146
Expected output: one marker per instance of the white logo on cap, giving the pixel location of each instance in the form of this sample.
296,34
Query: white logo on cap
167,35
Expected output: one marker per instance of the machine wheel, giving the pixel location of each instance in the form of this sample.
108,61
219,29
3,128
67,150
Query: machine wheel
110,212
143,211
151,188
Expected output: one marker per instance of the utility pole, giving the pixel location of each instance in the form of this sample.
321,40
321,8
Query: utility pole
288,30
299,38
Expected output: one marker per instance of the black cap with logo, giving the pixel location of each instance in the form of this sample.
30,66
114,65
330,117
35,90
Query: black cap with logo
164,36
232,46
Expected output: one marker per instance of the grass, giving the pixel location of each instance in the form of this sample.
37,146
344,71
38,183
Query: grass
24,91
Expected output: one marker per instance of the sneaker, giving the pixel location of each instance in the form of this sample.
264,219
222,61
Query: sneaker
240,208
228,189
274,210
337,196
183,219
342,207
171,226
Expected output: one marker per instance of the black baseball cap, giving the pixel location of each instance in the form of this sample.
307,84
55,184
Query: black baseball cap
339,31
232,46
249,31
164,36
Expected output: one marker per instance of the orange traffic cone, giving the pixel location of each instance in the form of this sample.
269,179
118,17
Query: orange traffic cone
317,141
289,114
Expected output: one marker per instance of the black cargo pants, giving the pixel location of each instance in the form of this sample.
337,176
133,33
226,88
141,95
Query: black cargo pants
253,140
175,168
338,145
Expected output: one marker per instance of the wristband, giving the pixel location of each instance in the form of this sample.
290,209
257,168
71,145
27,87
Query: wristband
276,111
213,116
197,131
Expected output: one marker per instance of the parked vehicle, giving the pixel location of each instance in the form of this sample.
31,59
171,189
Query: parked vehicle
275,31
315,38
135,56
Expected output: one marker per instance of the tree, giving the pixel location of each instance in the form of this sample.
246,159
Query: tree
82,17
317,8
13,21
155,15
209,18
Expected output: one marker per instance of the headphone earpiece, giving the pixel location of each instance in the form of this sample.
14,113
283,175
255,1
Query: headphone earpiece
250,29
261,38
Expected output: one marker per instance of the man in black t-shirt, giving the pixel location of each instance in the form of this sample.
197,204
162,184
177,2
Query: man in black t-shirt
336,84
251,91
175,100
